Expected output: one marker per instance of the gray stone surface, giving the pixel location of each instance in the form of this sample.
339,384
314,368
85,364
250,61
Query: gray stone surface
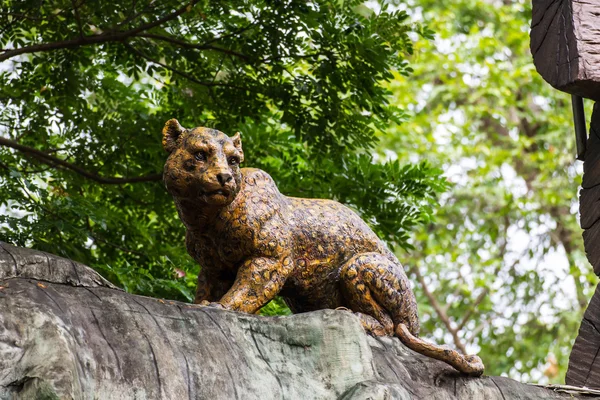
66,333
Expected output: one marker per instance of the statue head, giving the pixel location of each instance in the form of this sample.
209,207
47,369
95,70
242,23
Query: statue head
203,165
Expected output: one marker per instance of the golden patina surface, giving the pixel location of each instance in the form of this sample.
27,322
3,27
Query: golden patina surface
254,243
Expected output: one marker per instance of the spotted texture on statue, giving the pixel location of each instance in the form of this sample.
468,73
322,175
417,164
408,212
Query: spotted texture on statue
254,243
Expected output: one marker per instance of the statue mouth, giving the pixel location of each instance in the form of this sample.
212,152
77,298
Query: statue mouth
213,193
220,191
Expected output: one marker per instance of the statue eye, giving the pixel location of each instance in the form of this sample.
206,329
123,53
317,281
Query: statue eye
233,161
200,156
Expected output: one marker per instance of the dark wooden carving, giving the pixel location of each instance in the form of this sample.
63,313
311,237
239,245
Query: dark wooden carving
589,197
565,44
584,362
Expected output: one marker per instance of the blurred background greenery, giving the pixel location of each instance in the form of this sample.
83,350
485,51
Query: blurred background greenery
426,117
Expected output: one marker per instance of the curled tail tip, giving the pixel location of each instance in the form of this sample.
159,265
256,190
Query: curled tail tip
475,371
476,367
471,365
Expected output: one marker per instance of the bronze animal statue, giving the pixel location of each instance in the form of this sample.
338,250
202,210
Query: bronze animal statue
254,243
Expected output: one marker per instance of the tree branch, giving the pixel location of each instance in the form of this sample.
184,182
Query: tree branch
477,301
479,328
486,290
77,17
181,73
110,36
185,44
22,16
562,235
116,246
440,312
236,32
133,15
57,162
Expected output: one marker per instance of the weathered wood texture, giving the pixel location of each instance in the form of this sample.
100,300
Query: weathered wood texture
565,44
66,333
584,361
589,196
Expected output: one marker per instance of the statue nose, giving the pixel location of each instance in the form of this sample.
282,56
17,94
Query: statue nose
224,177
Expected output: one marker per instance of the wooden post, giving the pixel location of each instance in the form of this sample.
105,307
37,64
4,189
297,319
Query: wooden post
584,363
565,43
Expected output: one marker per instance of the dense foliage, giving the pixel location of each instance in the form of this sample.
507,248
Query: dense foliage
502,271
85,88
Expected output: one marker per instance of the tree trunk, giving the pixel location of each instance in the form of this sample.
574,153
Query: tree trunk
67,333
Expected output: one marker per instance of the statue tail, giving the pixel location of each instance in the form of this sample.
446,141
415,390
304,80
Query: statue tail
467,364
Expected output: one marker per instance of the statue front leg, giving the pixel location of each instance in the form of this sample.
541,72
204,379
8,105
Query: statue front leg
210,288
257,282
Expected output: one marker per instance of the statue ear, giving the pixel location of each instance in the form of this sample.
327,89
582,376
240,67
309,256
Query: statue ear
171,135
237,142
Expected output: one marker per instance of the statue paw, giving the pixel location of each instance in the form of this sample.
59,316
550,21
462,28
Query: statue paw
343,309
211,304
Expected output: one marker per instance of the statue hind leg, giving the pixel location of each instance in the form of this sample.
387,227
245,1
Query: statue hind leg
377,290
374,285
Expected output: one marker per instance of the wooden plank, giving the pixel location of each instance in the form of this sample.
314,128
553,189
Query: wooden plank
591,165
583,356
589,206
591,242
584,361
565,44
589,200
589,196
